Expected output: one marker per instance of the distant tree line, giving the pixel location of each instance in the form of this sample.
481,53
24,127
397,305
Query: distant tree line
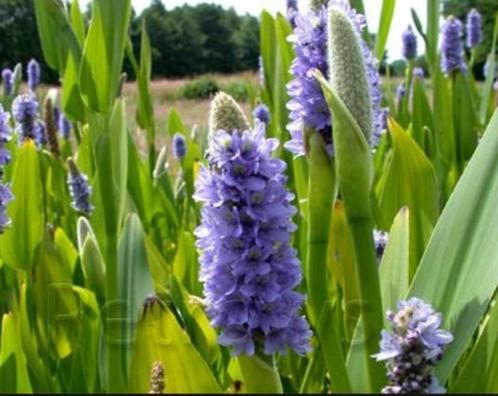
185,41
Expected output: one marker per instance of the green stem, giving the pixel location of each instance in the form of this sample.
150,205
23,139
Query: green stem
321,196
370,295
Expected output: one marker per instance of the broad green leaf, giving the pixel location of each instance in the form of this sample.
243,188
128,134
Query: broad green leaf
55,303
459,271
343,267
159,338
8,375
259,376
408,179
145,110
185,266
422,119
71,101
480,372
19,242
174,123
78,373
135,282
386,17
466,119
395,266
78,22
103,53
56,34
10,352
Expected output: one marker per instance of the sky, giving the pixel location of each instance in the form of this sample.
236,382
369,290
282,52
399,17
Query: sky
402,17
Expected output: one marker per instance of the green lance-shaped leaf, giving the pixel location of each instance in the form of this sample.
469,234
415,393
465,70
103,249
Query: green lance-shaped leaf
459,271
19,243
159,338
259,375
56,33
386,18
226,114
103,53
12,358
348,76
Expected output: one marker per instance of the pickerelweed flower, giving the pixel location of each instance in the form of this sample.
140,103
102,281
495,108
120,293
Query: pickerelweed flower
34,74
179,146
413,348
8,82
418,73
292,12
262,114
79,189
474,28
452,54
25,111
381,239
409,39
5,192
400,92
64,126
308,107
248,266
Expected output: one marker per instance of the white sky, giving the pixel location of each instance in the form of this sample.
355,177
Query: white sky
402,16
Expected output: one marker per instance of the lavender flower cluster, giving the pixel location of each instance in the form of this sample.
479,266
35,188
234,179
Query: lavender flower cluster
409,44
474,28
248,266
26,114
413,347
262,114
5,157
8,82
79,189
308,107
452,53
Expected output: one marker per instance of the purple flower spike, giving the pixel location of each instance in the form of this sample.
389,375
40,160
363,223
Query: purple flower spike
452,54
179,146
79,189
5,157
413,348
292,12
34,74
8,81
64,126
474,29
248,266
262,114
409,44
25,111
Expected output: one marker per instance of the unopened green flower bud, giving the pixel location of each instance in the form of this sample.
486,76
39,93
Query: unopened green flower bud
348,72
225,114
